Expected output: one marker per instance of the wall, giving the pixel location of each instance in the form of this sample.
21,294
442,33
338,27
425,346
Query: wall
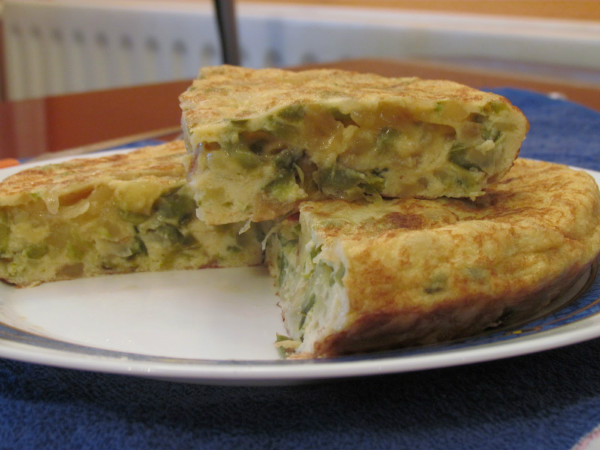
59,46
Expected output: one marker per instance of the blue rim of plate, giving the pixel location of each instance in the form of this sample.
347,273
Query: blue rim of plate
576,303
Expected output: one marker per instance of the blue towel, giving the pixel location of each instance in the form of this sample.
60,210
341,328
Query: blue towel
547,400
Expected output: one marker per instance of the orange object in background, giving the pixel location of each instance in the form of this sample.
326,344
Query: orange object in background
8,162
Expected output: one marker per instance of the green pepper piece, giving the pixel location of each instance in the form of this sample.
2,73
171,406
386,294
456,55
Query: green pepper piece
314,252
339,274
36,251
345,119
307,305
282,186
176,206
464,156
348,183
286,158
386,138
171,233
292,113
491,134
4,236
246,158
137,247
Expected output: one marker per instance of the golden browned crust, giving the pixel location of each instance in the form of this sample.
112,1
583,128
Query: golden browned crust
426,271
448,320
221,94
159,165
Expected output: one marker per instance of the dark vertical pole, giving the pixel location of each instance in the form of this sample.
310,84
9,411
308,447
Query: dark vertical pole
226,20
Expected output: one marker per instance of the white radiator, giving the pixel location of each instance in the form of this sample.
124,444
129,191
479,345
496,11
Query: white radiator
61,46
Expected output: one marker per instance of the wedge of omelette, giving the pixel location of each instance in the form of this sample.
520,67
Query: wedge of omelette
125,212
360,277
262,141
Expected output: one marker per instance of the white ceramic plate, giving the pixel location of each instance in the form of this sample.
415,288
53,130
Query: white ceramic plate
218,326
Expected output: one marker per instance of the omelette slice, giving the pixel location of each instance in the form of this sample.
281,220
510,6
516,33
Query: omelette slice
261,141
125,212
359,277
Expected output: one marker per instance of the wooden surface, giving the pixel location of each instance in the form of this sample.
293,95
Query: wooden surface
555,9
33,127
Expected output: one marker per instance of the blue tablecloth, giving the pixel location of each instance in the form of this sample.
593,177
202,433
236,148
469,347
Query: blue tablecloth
545,401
